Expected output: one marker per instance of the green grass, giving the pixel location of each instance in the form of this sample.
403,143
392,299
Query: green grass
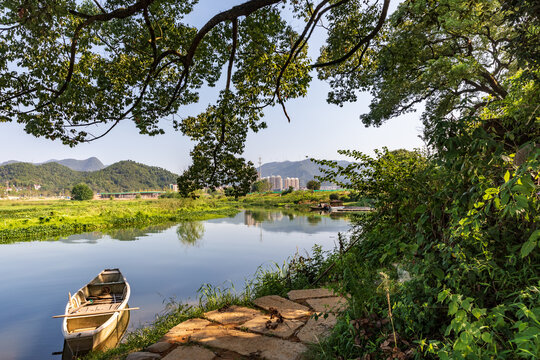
34,220
299,200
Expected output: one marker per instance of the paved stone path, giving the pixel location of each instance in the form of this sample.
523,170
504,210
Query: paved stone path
280,331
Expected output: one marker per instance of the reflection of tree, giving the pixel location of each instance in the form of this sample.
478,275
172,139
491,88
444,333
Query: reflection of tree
258,216
189,232
129,234
314,220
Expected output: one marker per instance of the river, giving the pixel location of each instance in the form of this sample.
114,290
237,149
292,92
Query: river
160,263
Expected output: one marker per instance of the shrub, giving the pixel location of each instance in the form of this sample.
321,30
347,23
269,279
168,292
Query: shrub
313,185
81,192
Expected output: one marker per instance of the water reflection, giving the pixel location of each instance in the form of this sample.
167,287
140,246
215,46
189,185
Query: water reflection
257,217
126,234
289,221
190,232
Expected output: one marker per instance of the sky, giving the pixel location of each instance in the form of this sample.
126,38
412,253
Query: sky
317,129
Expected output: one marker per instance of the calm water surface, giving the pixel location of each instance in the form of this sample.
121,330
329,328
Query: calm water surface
160,263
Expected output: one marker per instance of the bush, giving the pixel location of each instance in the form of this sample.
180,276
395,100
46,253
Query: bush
334,196
81,192
287,191
313,185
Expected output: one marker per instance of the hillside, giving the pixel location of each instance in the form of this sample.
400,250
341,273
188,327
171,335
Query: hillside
90,164
55,178
305,170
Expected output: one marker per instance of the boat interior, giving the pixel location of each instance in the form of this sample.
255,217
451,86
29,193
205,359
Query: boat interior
105,292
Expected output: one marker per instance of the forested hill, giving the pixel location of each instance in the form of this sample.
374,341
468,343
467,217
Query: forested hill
90,164
120,176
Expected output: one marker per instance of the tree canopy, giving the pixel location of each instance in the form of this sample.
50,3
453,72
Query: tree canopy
81,192
313,185
72,70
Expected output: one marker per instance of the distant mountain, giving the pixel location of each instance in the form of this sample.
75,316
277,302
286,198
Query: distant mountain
9,162
304,170
90,164
56,178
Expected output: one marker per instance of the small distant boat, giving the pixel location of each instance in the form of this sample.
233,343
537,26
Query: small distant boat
96,311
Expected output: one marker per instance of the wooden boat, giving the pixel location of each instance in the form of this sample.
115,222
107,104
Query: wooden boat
96,311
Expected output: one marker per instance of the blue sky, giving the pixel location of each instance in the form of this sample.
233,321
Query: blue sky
317,129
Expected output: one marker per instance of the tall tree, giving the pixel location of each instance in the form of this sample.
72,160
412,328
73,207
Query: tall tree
72,70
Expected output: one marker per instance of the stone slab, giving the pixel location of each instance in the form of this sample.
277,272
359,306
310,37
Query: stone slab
309,294
283,330
159,347
232,315
143,356
249,344
287,308
328,304
190,353
182,332
315,330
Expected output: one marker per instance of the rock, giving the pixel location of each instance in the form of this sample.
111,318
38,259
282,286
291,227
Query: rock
288,309
190,353
283,330
143,356
159,347
309,294
249,344
232,315
315,330
328,304
181,332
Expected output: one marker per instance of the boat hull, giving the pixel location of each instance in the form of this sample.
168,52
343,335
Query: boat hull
89,328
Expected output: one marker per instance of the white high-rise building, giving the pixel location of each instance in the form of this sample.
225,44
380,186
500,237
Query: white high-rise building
294,182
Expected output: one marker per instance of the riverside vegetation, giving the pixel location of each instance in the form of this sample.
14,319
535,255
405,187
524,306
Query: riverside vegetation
31,220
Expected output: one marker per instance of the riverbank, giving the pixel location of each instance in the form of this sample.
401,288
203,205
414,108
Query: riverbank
33,220
274,284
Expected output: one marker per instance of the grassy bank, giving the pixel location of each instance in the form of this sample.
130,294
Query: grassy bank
300,200
31,220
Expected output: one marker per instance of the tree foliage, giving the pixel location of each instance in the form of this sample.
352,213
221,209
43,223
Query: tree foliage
313,185
261,186
461,217
81,192
72,70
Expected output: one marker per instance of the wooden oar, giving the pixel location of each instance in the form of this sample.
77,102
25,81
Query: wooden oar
95,313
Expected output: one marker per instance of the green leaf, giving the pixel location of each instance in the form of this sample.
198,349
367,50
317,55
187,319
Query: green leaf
527,248
442,295
487,337
452,308
477,313
438,273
